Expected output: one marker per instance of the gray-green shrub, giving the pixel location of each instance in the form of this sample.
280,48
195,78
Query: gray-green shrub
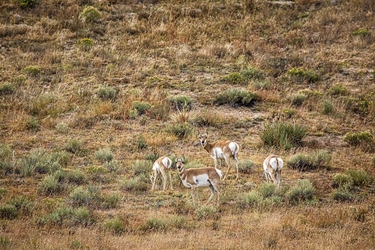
283,135
303,191
305,162
236,97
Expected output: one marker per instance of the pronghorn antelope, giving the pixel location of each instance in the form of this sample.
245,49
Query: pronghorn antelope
161,165
199,177
272,166
221,150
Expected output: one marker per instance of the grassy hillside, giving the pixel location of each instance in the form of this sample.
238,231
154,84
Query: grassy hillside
92,92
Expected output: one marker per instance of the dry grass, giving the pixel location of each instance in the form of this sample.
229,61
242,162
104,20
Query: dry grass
71,86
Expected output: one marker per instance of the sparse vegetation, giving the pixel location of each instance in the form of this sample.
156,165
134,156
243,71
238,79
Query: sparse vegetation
236,97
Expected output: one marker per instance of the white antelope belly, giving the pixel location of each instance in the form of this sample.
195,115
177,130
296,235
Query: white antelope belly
201,180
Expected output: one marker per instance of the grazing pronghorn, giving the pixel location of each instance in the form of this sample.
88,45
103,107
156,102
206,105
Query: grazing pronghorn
161,165
272,166
199,177
221,150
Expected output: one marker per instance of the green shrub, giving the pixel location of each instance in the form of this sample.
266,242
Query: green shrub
104,155
364,140
86,44
62,128
6,89
337,90
89,196
261,84
206,212
266,190
50,185
5,243
283,135
141,142
141,107
111,201
27,3
113,166
71,177
82,216
236,97
328,107
59,216
181,130
73,146
136,184
252,73
342,195
342,180
39,161
235,78
115,226
298,99
8,212
361,32
6,158
360,177
22,204
153,224
303,191
107,93
32,70
246,166
304,75
181,102
33,124
90,14
303,162
251,199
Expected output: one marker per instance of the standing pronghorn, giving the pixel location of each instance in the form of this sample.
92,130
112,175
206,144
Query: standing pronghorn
221,150
272,166
161,165
199,177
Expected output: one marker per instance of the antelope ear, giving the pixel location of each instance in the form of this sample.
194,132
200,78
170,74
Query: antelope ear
183,158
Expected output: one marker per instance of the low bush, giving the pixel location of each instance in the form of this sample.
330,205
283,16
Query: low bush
303,162
6,158
6,89
137,184
107,93
90,14
104,155
364,140
303,191
236,97
181,130
246,166
115,226
283,135
181,102
8,212
206,212
304,75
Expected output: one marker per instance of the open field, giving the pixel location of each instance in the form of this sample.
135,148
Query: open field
93,92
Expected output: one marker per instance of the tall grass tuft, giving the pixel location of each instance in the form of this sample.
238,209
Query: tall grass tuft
283,135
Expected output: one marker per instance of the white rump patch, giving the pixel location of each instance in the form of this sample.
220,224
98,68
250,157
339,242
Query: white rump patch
273,163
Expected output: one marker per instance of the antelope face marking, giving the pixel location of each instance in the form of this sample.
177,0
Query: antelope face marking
203,139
